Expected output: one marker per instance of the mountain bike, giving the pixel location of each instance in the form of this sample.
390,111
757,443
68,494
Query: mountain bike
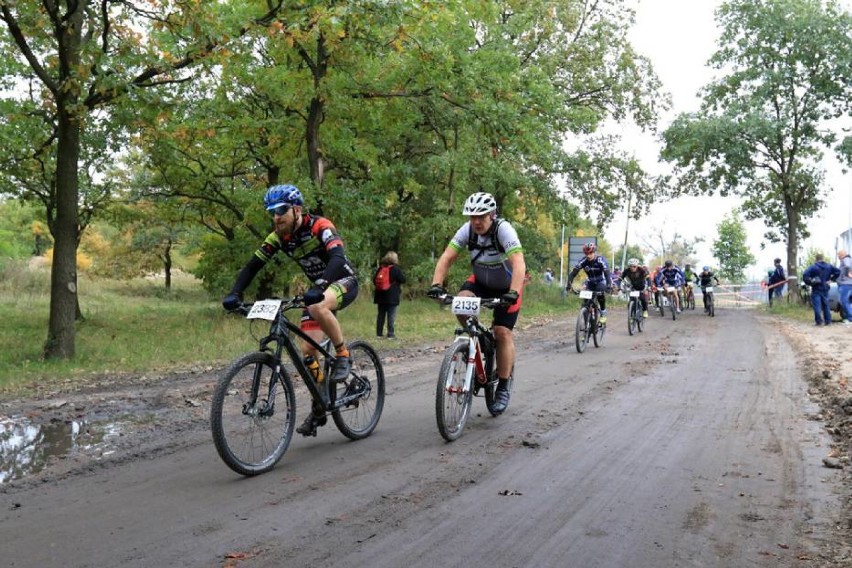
710,310
253,411
468,368
671,294
689,297
588,320
635,321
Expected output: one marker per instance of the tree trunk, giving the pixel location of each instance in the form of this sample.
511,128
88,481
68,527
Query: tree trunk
63,274
792,243
167,265
316,114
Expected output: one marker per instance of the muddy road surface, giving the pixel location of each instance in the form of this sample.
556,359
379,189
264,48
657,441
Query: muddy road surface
694,443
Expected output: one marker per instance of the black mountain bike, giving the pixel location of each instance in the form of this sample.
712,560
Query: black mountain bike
710,309
635,321
254,406
588,320
469,368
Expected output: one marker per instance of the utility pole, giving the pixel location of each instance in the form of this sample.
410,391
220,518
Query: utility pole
626,225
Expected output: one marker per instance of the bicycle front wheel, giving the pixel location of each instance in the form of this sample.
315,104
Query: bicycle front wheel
581,336
631,317
598,335
673,308
253,414
452,404
358,419
712,307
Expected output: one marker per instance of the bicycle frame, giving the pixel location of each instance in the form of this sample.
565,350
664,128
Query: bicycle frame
475,361
280,331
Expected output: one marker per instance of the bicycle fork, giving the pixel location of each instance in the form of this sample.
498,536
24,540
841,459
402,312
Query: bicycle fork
474,363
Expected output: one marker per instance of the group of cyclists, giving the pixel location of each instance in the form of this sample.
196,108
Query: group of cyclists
497,271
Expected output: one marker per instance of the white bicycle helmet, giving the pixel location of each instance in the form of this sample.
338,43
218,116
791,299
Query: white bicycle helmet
633,262
479,203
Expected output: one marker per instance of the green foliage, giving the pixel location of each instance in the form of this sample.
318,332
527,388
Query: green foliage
633,251
731,249
22,233
763,125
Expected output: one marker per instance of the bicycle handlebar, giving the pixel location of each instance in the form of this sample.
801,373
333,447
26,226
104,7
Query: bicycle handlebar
446,299
294,302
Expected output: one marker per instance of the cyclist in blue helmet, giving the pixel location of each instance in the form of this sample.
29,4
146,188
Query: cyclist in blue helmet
314,243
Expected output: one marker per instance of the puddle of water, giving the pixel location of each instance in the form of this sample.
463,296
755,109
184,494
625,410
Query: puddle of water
26,447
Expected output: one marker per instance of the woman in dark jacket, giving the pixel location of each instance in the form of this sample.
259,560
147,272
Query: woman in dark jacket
388,300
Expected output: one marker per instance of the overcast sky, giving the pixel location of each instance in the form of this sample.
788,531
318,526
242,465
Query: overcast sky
679,37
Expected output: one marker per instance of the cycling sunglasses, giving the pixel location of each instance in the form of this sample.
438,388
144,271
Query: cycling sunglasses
279,210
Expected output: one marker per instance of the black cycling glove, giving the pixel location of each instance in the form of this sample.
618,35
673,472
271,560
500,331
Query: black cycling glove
232,301
510,297
436,290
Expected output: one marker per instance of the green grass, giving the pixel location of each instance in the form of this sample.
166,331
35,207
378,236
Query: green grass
137,327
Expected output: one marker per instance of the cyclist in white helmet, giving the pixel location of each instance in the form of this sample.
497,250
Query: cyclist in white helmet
497,262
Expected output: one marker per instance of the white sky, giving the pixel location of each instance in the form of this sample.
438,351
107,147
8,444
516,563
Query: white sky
679,37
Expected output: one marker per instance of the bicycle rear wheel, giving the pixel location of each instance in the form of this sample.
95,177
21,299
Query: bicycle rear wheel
358,419
452,405
252,414
581,335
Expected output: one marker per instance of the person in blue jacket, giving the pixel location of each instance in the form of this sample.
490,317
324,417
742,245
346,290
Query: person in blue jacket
817,276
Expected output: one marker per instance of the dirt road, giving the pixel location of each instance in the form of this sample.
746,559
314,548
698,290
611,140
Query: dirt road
696,443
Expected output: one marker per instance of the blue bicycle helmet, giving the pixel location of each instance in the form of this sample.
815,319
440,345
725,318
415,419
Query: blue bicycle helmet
706,269
288,195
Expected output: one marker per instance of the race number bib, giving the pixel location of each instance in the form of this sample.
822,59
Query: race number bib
264,309
465,306
586,294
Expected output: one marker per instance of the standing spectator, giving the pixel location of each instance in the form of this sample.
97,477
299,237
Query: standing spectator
387,279
776,281
548,276
817,276
844,285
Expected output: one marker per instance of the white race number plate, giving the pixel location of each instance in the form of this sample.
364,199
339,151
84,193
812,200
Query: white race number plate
264,309
466,306
669,290
634,293
586,294
708,289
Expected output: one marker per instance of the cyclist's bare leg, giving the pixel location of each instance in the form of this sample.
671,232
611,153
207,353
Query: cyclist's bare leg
505,351
323,315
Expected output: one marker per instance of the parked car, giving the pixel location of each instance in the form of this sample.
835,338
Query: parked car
833,295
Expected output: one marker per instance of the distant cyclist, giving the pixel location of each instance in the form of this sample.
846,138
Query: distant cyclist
690,277
497,262
705,279
597,270
636,276
672,275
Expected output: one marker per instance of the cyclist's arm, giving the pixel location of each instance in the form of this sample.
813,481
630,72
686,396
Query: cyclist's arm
247,274
336,263
519,267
